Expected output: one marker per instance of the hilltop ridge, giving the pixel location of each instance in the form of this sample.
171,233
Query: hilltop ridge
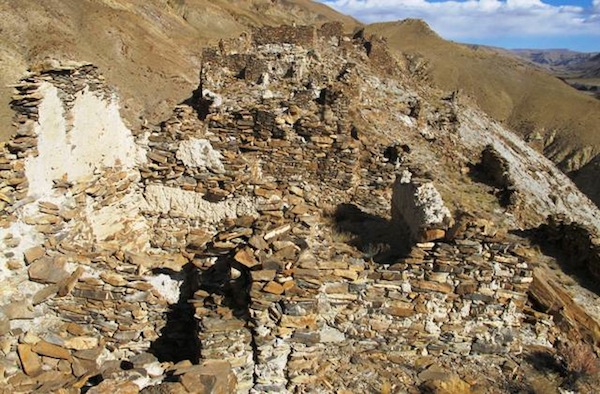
159,43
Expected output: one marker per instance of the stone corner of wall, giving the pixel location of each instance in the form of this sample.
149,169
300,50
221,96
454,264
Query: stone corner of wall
417,204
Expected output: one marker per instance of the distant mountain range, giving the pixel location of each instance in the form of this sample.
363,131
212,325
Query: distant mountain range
579,69
559,59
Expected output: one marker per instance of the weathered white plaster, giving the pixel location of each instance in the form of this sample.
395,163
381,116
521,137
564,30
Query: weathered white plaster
166,286
28,238
419,205
72,145
52,144
163,199
124,216
200,153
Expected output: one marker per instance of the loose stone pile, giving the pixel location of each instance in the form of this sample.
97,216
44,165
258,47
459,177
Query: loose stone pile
251,242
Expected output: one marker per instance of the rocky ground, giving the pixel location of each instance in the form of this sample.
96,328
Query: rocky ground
310,220
556,119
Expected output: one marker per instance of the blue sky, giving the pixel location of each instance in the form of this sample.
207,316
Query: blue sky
572,24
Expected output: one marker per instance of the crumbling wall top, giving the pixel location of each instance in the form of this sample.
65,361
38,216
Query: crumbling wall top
298,35
331,29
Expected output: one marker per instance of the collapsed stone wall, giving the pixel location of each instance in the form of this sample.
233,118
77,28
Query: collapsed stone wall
80,290
220,249
581,243
380,55
307,311
289,303
331,30
305,36
496,169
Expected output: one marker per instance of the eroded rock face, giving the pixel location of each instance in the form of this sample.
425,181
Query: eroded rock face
202,249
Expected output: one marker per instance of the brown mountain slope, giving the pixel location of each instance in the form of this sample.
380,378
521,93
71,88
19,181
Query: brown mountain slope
581,70
557,59
527,99
150,50
584,67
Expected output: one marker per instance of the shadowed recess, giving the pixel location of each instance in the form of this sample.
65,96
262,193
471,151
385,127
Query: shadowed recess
378,238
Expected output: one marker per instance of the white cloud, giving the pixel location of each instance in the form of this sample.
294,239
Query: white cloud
482,18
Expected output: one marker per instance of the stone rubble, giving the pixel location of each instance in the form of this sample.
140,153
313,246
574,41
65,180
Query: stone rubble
215,259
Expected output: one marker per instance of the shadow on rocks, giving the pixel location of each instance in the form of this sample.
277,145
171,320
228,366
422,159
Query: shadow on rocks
572,259
382,240
178,339
234,290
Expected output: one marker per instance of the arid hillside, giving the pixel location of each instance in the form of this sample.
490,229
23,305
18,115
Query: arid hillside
564,62
591,68
150,50
579,69
542,109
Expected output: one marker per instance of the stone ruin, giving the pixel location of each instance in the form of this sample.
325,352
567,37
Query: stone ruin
418,205
580,242
304,36
199,249
496,170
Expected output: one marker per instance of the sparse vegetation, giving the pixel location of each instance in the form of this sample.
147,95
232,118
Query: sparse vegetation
386,387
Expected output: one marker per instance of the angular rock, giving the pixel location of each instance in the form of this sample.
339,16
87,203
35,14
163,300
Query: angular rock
263,275
33,254
48,349
69,283
246,258
273,288
30,361
114,386
432,286
22,309
48,270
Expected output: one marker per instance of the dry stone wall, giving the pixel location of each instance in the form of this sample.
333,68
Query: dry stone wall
304,36
581,243
289,308
79,294
204,252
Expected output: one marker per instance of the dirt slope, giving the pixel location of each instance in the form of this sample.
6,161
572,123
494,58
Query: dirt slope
527,99
150,50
